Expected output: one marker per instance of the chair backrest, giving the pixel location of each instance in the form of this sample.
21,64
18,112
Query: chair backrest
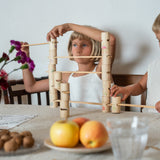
11,93
119,79
128,79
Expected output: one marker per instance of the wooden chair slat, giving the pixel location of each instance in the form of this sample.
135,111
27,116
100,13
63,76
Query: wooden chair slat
10,93
119,79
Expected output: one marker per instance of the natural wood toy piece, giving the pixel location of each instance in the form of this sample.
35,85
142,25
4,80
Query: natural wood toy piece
64,103
55,80
106,71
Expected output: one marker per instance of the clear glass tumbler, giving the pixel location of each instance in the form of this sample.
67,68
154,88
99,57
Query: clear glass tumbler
128,137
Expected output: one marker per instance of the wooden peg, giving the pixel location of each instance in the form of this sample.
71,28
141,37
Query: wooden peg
115,107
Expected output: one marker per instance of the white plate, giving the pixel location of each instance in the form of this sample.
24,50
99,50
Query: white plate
77,149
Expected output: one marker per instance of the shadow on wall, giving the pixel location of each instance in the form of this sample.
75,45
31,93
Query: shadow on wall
132,53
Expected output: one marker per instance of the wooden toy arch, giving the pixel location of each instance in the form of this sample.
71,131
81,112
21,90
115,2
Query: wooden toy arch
55,79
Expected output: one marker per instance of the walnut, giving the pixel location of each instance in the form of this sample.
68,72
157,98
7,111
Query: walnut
10,146
26,133
13,134
18,140
1,144
4,131
28,141
5,137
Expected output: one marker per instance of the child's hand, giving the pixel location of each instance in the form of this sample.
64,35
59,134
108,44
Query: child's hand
58,31
115,90
25,48
157,106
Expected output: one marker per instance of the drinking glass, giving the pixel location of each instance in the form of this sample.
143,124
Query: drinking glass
128,137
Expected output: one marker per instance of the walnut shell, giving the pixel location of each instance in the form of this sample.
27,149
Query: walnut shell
18,140
13,134
4,131
1,144
26,133
28,141
10,146
5,137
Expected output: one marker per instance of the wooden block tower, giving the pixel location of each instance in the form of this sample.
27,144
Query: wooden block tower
106,71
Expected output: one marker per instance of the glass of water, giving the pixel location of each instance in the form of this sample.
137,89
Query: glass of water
128,137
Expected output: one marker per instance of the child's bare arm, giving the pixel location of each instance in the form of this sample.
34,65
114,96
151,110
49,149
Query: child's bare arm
31,85
91,32
134,90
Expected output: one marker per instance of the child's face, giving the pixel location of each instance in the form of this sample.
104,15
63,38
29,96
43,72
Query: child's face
158,37
81,48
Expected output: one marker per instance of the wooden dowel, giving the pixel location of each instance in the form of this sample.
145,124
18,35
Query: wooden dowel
25,45
94,103
134,105
78,57
80,72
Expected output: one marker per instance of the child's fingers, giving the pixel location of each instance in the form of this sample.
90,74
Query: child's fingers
56,33
61,31
51,35
24,47
114,89
48,37
124,97
116,93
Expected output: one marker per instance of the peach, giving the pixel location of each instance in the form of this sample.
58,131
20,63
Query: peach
93,134
80,121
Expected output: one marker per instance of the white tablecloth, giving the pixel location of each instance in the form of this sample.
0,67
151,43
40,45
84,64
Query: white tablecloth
40,126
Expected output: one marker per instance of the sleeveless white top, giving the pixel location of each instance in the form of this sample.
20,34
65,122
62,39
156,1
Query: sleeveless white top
153,86
86,88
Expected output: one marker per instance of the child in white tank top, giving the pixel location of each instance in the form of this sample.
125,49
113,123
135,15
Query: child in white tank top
84,41
90,89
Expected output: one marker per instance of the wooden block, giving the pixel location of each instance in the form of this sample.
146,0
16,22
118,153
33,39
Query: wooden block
105,104
115,107
64,86
57,80
65,96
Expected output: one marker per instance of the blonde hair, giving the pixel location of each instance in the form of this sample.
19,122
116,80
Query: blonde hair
156,25
96,46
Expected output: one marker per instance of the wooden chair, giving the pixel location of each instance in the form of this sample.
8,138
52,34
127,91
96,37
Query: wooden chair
119,79
128,79
11,93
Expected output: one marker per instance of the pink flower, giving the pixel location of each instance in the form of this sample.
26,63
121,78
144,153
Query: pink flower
4,75
20,58
3,79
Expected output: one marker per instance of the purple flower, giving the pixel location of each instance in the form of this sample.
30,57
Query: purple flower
31,64
5,56
23,57
16,44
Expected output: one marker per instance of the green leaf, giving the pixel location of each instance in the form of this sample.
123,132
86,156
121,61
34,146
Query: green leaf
25,66
1,59
11,49
17,58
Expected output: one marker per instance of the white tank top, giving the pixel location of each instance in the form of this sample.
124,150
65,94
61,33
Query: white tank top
153,86
86,88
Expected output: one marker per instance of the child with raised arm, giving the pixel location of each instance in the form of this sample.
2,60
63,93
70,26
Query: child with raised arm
84,41
150,81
